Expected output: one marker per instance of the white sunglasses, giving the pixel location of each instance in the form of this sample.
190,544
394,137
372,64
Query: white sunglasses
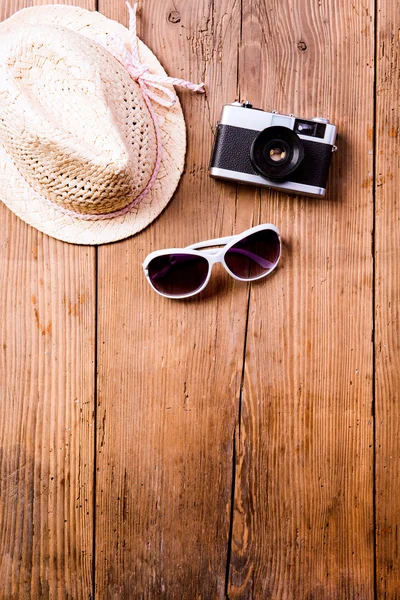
184,272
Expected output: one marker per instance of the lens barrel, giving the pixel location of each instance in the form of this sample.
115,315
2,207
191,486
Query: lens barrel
276,152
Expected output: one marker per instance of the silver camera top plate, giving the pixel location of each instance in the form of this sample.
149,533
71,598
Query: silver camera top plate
239,115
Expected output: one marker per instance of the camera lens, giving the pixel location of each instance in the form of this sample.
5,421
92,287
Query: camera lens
276,152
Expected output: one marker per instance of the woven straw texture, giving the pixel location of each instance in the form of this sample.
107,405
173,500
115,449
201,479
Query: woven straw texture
75,131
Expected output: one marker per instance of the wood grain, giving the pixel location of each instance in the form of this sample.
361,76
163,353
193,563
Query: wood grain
268,391
47,330
387,297
169,372
303,520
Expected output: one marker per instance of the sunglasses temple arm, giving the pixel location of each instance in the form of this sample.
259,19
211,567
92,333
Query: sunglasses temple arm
216,242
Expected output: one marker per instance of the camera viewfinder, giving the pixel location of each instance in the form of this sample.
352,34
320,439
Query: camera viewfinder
305,127
309,128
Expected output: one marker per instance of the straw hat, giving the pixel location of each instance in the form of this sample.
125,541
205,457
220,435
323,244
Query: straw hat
92,136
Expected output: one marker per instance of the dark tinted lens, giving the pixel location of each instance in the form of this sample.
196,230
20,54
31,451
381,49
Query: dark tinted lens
254,255
178,274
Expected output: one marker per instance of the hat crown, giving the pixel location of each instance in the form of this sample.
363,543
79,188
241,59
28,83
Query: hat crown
73,121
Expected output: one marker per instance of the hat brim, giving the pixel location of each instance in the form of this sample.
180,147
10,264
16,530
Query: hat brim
32,208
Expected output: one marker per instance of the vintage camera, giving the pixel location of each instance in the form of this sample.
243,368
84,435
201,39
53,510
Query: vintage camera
276,151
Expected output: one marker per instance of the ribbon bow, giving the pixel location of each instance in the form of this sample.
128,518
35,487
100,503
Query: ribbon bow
149,82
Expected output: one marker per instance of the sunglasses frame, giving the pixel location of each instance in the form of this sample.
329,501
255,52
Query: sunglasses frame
213,256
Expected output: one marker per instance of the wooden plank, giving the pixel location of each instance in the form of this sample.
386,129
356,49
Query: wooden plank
47,333
169,372
303,520
387,296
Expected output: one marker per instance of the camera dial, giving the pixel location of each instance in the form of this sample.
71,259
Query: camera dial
276,152
246,104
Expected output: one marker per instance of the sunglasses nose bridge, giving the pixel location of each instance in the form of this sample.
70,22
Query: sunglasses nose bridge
216,258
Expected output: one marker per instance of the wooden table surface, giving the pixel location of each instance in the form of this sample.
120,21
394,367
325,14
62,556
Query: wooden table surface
243,444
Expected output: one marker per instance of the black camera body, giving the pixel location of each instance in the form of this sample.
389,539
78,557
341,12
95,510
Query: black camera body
268,149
